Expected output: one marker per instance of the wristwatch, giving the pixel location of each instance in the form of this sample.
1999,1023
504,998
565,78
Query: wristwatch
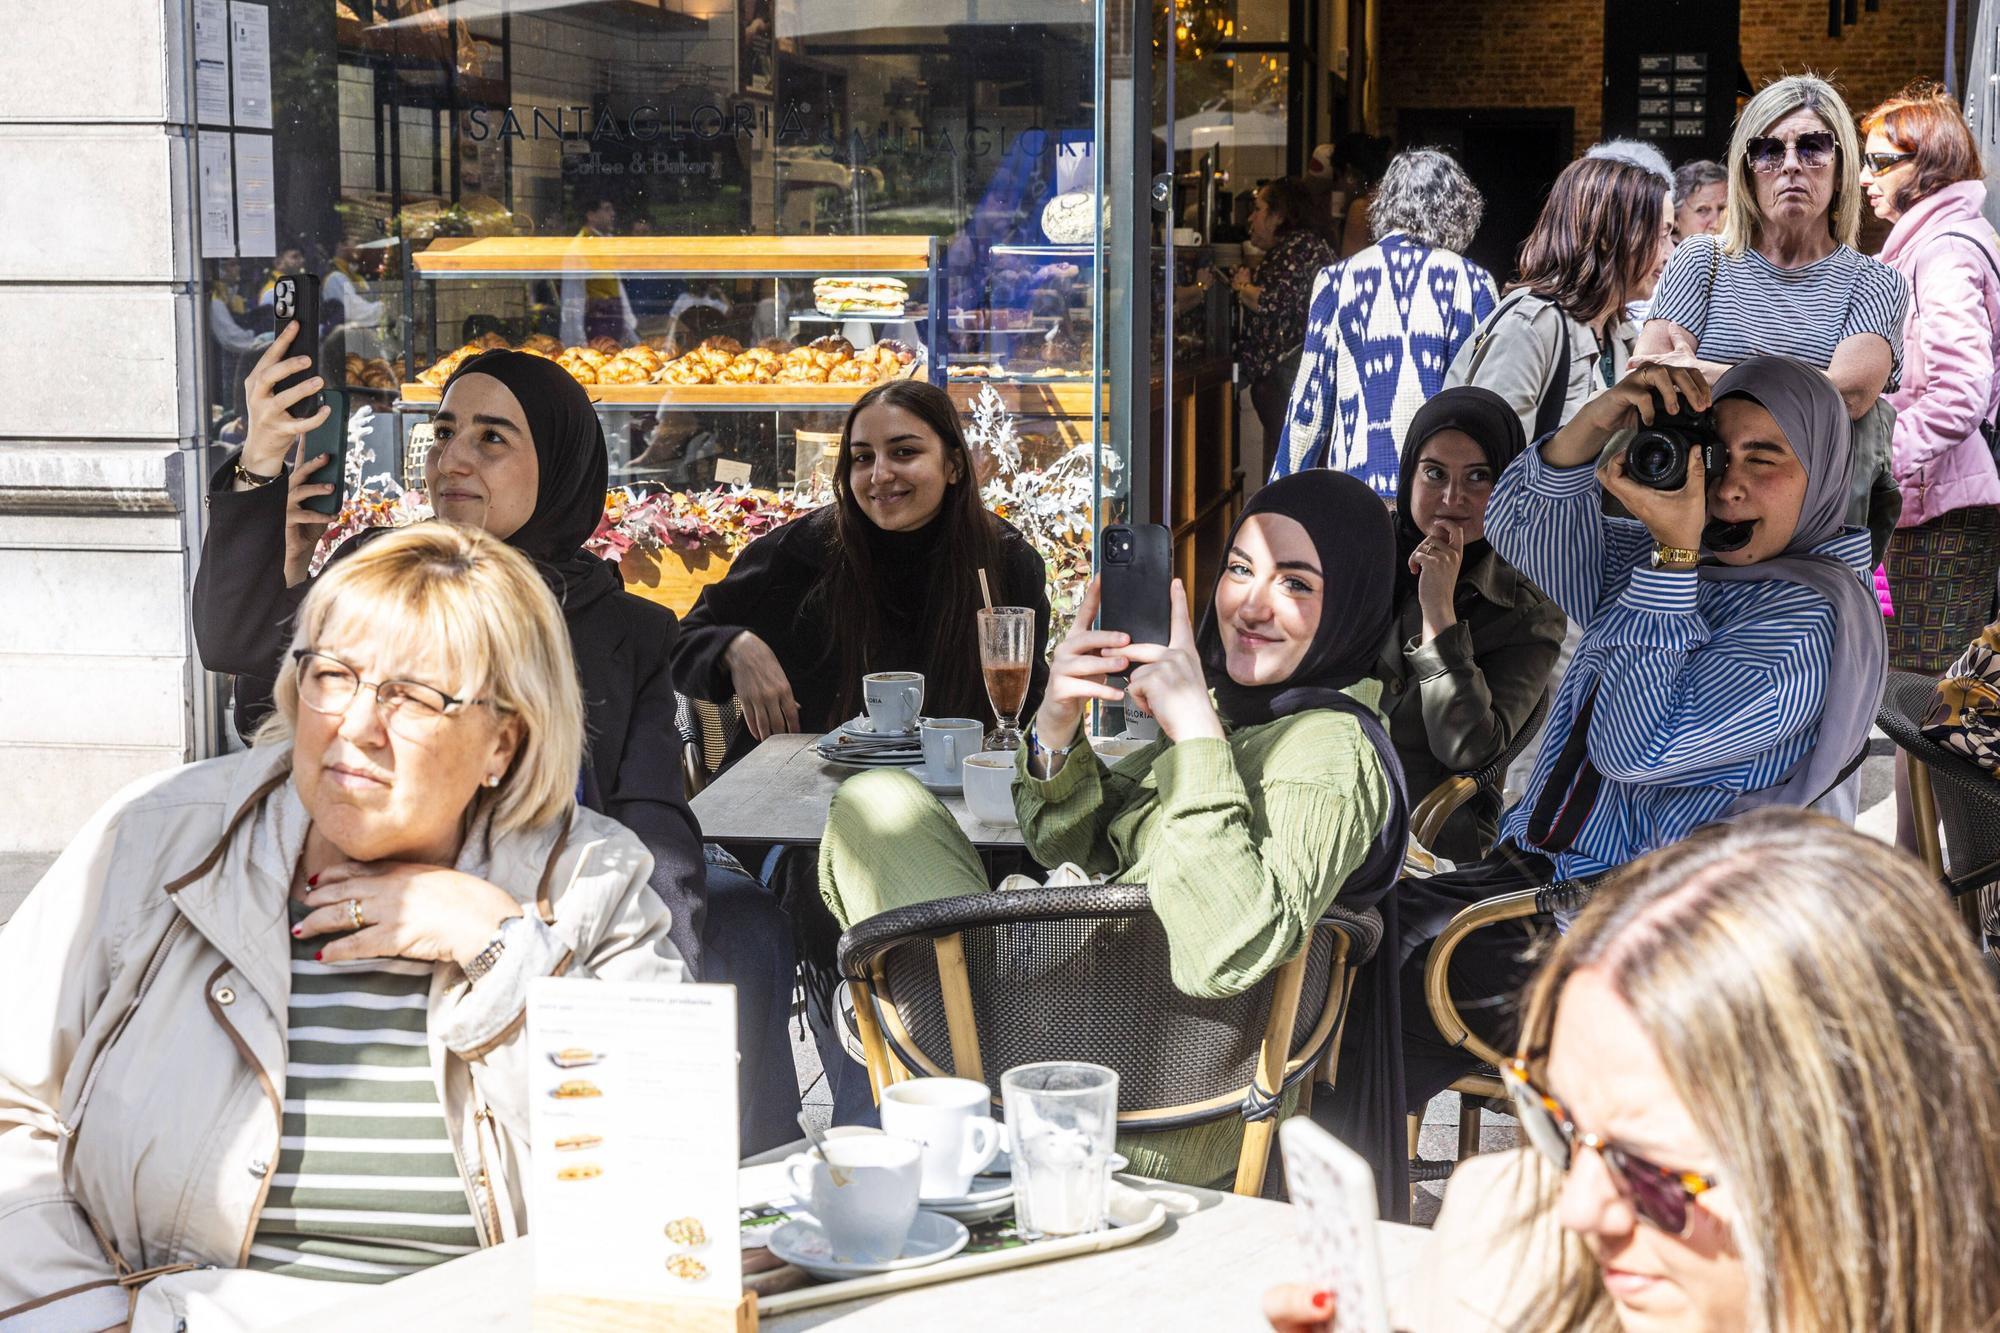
1675,559
483,961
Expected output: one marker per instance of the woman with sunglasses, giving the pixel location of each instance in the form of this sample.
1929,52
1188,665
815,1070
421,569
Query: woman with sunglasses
1783,278
1762,1071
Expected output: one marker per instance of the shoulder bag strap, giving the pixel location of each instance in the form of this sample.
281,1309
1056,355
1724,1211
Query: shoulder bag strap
1548,416
1989,424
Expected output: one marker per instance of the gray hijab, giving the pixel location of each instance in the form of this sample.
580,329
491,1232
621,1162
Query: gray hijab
1809,410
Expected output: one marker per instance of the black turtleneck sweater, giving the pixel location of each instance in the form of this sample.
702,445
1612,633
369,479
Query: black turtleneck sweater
769,592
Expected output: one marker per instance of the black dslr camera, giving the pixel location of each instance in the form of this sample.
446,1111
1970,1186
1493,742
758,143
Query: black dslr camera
1658,454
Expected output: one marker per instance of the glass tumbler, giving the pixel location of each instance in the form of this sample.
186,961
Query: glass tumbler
1007,659
1062,1122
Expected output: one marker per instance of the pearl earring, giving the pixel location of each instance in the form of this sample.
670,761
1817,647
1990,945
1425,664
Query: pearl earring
492,779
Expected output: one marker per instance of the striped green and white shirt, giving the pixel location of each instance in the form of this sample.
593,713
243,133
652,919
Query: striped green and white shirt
367,1188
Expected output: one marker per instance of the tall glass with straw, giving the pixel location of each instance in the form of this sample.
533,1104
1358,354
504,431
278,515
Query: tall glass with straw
1006,658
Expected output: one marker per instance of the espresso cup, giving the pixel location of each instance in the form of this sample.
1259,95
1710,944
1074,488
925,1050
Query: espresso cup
951,1118
894,699
947,740
989,786
867,1212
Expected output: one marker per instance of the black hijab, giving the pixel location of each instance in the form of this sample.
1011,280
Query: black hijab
1351,531
573,471
1493,426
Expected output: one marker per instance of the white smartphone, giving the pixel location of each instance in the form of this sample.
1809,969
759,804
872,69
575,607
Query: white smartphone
1334,1193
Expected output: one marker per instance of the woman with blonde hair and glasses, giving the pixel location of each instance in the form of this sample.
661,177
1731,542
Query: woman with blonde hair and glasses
266,1011
1761,1079
1784,279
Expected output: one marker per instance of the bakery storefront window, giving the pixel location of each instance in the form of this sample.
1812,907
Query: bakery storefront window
727,218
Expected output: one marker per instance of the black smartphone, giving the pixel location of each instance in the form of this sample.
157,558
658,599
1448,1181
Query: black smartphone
329,438
1136,564
295,296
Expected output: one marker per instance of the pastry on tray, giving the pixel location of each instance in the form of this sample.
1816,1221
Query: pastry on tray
606,346
623,370
575,1087
587,1171
541,342
578,1142
687,1231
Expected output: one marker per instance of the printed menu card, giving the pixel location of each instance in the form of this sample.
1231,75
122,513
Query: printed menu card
632,1090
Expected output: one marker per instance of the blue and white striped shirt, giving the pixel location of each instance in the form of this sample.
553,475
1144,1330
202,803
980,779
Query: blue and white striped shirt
1758,309
1708,689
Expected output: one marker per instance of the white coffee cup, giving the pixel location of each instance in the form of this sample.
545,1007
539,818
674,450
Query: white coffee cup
893,699
867,1214
947,740
951,1118
989,786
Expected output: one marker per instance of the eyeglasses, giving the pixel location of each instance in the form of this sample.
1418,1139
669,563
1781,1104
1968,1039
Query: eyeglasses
1660,1197
411,710
1815,149
1881,162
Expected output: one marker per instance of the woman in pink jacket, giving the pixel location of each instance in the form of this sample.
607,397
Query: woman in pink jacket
1923,174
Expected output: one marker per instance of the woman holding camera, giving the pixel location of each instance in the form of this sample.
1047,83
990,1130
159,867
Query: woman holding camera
1731,657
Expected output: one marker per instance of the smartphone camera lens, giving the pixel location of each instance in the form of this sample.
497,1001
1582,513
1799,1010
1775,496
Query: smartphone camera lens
1118,547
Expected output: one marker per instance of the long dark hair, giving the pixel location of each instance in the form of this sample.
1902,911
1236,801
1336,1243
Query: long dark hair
970,541
1596,237
1291,200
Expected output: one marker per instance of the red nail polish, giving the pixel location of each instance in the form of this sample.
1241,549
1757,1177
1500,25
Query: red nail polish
1322,1300
298,931
312,881
318,956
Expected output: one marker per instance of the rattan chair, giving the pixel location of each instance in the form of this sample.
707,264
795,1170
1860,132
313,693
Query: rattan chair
1443,800
1484,1084
1948,787
706,730
973,986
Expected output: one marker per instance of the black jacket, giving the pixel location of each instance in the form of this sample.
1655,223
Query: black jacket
1456,703
624,649
768,591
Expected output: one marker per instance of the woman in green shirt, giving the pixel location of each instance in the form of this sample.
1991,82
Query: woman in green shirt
1273,786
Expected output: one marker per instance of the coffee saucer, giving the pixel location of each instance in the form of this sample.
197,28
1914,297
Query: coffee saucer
864,725
989,1197
942,788
802,1242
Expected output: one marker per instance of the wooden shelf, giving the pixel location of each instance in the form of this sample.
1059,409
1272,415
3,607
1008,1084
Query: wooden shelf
787,396
748,256
1039,398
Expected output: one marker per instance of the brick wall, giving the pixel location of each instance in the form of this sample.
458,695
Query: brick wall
1494,53
1873,58
1530,53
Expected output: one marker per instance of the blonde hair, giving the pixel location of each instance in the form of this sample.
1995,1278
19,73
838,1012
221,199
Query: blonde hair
1740,219
484,609
1828,1023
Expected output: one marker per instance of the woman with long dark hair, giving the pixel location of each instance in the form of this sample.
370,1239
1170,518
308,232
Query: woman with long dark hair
1291,230
886,578
1559,336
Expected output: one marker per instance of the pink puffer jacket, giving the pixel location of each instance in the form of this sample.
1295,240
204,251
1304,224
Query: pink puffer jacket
1950,342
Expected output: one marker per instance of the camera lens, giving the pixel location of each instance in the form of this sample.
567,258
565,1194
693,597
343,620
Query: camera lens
1655,459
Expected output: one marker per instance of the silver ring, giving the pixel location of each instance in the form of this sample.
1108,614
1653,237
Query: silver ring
354,910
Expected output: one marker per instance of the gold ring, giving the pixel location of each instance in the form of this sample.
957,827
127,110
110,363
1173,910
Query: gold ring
354,910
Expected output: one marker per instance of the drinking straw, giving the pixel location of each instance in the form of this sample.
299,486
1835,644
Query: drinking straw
985,593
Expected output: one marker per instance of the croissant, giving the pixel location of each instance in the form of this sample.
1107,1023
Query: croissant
828,360
606,345
721,342
644,356
833,342
581,373
590,356
380,364
489,342
542,343
354,366
377,379
687,371
777,346
852,372
622,370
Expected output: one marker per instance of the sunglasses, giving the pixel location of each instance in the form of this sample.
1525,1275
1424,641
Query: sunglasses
1660,1197
1881,162
1767,155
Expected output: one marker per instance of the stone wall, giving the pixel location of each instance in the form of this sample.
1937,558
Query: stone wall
97,416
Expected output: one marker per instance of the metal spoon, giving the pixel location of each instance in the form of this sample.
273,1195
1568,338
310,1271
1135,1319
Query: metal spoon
813,1132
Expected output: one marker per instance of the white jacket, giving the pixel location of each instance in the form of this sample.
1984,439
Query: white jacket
143,994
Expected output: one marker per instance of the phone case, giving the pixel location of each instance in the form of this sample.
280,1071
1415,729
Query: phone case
296,297
329,437
1334,1193
1137,594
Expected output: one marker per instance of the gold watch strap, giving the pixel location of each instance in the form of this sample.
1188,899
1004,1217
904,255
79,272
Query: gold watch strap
249,478
1674,557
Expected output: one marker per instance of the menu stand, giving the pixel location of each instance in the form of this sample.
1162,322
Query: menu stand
555,1313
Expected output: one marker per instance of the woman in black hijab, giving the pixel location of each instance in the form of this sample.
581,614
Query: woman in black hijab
1474,642
1246,818
519,453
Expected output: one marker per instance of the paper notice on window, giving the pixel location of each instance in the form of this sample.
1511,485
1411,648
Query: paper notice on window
256,197
250,63
211,62
730,472
218,196
632,1183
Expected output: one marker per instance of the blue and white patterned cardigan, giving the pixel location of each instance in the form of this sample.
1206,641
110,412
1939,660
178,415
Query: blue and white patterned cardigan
1382,330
